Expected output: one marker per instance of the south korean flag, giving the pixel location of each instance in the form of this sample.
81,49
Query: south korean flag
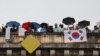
75,36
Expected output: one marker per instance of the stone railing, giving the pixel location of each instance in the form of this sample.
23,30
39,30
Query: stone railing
52,44
50,39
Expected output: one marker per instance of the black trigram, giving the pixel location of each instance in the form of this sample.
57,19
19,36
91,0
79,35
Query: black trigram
81,38
70,38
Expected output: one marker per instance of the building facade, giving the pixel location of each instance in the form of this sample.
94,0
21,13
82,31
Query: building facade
52,44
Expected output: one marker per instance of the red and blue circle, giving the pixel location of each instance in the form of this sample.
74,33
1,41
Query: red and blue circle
75,35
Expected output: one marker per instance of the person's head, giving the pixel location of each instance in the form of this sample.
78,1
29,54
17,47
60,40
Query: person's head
50,29
95,27
56,25
71,28
61,25
44,25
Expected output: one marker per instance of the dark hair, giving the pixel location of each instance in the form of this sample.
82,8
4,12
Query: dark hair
44,25
56,25
50,29
95,27
61,25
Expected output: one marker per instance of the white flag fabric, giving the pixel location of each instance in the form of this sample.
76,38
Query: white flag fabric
7,36
21,32
75,36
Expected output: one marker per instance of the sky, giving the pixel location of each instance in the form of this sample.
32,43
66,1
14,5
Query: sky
50,11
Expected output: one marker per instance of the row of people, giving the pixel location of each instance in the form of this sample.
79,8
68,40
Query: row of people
43,28
47,28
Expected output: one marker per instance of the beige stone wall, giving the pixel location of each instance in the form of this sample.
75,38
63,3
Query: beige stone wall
2,39
47,39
